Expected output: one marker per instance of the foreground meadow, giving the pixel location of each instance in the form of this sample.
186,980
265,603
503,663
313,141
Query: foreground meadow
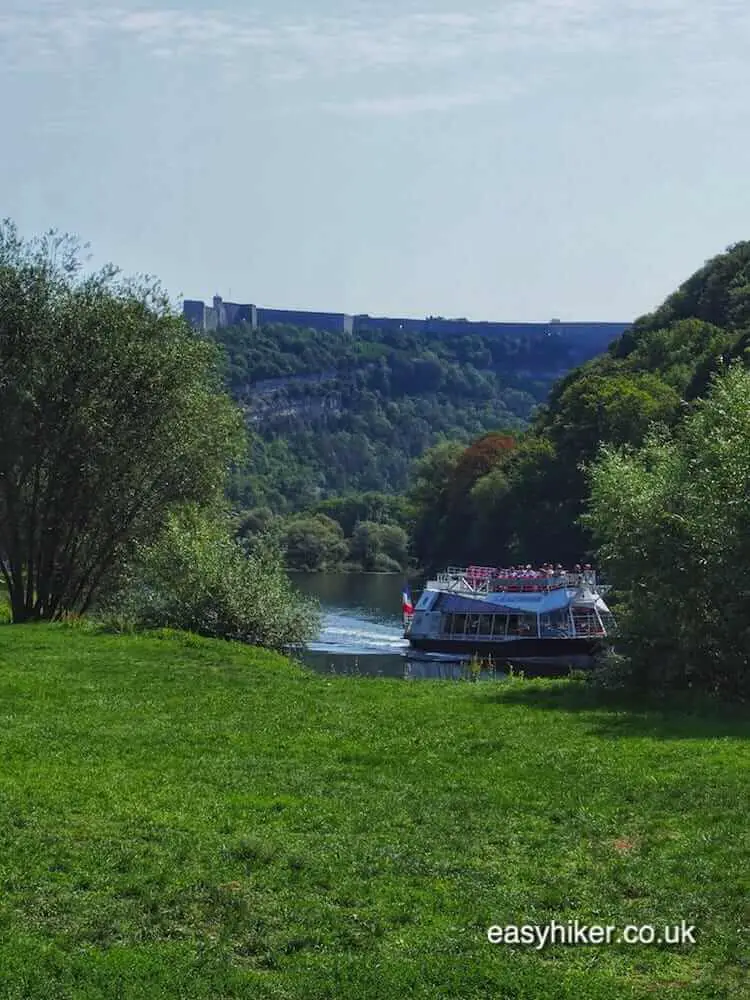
187,818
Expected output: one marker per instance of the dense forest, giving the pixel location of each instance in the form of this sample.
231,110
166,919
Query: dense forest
337,422
387,450
526,502
334,413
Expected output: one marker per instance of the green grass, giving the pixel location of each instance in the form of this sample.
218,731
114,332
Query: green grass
186,818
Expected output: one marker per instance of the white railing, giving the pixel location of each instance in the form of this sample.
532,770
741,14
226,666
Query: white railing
485,580
586,623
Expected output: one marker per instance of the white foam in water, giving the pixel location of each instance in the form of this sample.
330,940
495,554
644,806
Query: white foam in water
344,634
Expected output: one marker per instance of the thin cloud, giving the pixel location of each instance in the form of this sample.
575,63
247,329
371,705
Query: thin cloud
415,103
291,52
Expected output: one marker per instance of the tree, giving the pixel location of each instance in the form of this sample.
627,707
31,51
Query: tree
482,456
547,487
672,522
430,496
373,506
379,547
111,412
198,577
616,408
312,543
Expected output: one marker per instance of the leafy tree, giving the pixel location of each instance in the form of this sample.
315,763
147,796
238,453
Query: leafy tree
394,544
379,547
480,458
676,350
614,408
544,487
312,543
430,496
111,412
254,522
371,506
672,521
198,577
520,510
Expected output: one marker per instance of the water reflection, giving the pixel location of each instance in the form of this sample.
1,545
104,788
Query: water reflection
402,667
362,631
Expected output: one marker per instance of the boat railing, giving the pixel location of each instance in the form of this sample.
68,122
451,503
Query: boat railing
587,623
487,580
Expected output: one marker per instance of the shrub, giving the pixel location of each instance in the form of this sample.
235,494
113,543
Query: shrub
197,577
672,520
312,543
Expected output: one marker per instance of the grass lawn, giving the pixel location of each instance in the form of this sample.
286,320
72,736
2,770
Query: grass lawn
185,818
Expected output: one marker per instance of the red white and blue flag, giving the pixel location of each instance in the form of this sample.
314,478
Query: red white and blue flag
406,605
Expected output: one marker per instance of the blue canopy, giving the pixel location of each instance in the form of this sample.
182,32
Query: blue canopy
504,603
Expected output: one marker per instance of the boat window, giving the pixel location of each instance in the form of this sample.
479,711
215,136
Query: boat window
446,622
485,624
555,623
472,624
522,625
587,622
429,601
459,624
499,625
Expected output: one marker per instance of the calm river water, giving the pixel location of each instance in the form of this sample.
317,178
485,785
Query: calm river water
362,631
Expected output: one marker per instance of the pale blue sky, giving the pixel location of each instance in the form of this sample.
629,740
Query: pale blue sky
511,160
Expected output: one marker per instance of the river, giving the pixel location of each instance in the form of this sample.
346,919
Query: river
362,631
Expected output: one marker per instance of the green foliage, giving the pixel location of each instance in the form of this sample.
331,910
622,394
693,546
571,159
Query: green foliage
531,510
458,495
379,547
674,350
331,414
372,506
323,537
313,542
431,497
673,524
111,412
198,577
616,408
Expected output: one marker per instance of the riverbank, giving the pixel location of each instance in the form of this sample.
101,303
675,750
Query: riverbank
192,818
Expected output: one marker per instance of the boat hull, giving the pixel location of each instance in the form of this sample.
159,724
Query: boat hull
538,657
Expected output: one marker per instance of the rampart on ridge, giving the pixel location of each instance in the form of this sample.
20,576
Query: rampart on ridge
221,314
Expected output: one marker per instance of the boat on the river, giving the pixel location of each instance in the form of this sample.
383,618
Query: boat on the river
541,621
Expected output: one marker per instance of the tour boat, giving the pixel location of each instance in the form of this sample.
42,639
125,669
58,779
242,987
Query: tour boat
543,623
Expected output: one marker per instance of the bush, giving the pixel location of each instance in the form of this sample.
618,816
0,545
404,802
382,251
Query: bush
312,543
672,520
197,577
380,548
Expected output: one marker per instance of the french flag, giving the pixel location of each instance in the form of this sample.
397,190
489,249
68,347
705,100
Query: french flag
406,605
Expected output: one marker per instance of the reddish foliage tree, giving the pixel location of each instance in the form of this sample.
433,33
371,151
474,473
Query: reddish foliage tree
481,457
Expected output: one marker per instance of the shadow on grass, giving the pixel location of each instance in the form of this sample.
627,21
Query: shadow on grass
619,714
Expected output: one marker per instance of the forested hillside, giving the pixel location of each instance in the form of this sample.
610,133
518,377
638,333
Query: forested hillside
334,414
525,503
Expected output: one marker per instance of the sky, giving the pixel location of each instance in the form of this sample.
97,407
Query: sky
513,161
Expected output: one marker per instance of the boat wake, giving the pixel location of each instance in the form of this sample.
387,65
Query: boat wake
348,634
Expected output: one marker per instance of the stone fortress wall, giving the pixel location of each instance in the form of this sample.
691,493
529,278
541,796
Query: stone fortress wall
220,314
